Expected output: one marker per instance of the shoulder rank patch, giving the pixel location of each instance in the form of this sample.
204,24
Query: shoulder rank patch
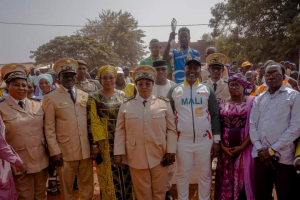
34,99
163,98
128,99
2,99
49,92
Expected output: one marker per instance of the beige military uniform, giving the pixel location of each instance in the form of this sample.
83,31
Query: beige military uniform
66,134
87,86
144,135
24,132
222,91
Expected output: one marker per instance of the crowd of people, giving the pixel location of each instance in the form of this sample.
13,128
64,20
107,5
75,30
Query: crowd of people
136,125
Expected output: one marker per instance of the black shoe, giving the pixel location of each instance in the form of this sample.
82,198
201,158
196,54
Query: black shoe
168,196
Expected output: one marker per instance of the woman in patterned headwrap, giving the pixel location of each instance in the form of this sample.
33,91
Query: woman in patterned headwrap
235,171
104,107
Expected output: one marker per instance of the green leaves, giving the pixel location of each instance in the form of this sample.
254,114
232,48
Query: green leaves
257,30
114,37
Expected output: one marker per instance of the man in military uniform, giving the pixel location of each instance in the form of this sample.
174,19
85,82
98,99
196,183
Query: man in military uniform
66,132
152,116
24,120
216,64
81,82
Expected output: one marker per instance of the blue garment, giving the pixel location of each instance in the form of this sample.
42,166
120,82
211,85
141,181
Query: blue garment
179,56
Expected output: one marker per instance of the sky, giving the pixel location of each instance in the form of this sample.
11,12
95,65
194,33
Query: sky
17,41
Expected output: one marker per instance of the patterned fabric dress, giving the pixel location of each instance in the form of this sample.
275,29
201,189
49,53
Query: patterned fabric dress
230,170
115,184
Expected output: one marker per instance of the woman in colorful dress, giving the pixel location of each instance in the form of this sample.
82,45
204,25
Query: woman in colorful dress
234,174
103,112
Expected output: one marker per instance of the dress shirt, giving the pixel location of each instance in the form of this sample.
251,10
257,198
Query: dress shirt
212,83
73,89
275,123
148,100
17,101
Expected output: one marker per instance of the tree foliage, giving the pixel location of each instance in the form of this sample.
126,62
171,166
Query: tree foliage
120,31
114,37
257,30
77,47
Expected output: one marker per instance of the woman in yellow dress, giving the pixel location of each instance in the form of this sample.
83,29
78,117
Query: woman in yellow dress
115,184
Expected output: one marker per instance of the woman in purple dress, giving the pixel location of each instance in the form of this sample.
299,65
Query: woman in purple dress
8,156
234,174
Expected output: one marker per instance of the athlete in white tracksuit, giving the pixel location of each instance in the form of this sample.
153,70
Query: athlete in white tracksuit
198,125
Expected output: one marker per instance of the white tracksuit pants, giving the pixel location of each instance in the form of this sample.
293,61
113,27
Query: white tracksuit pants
194,155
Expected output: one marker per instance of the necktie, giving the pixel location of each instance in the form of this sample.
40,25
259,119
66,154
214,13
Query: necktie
215,86
144,102
72,95
21,104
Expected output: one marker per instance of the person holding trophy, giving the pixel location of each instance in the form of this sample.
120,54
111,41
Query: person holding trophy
181,54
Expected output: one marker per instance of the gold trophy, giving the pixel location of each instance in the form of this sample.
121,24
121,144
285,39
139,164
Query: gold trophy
173,27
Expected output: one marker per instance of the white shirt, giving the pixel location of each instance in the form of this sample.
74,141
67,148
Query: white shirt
212,83
17,101
142,99
275,123
162,90
73,89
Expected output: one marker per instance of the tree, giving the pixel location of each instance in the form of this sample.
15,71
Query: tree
120,31
78,47
257,30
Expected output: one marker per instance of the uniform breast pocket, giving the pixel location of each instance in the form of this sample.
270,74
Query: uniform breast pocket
9,122
38,118
131,116
158,115
63,106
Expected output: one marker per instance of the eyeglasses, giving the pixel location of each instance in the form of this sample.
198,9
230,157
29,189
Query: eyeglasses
147,85
274,75
161,69
234,85
108,78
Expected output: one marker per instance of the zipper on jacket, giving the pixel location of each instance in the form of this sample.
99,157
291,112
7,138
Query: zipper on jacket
193,113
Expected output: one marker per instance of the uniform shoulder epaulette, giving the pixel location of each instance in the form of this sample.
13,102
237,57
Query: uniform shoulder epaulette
163,98
49,92
129,98
34,99
205,81
2,99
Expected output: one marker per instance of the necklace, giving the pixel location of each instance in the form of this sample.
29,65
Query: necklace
152,58
187,54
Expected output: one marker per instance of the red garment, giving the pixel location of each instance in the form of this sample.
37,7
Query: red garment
7,156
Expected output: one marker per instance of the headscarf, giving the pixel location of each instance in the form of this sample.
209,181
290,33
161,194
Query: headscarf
240,78
106,68
36,70
39,92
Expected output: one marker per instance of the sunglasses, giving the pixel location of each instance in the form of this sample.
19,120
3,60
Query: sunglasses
147,85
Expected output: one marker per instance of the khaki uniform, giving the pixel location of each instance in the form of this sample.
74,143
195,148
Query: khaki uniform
66,134
87,86
24,132
144,135
222,91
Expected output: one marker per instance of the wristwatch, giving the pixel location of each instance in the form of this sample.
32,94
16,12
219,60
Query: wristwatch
271,151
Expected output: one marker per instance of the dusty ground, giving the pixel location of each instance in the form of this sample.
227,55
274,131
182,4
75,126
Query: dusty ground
193,192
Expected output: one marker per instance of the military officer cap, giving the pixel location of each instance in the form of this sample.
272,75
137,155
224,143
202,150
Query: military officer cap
66,65
144,72
159,63
216,59
81,62
13,71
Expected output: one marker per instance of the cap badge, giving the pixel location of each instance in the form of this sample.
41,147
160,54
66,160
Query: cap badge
13,66
68,61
